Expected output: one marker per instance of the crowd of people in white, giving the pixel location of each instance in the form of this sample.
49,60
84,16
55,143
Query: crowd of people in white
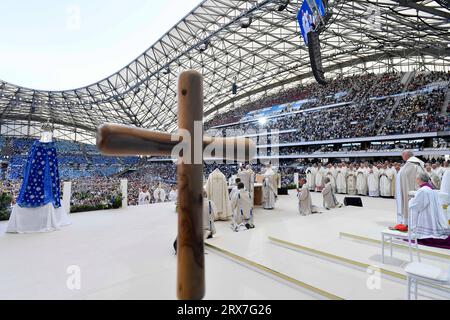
365,179
421,191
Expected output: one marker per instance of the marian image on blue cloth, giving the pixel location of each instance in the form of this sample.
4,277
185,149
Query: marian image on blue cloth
41,183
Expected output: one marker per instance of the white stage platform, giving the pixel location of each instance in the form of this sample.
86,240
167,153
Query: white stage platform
127,254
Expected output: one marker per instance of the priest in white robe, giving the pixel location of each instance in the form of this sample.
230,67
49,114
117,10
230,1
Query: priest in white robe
310,178
427,219
373,181
438,169
159,194
394,179
351,180
320,175
173,194
217,191
445,184
330,173
407,182
305,206
235,189
435,175
242,205
270,191
209,212
386,177
313,177
361,181
144,196
329,198
247,177
341,180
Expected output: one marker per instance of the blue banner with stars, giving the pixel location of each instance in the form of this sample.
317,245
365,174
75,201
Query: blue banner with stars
41,183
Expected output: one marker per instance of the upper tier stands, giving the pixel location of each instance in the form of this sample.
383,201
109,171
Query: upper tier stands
355,90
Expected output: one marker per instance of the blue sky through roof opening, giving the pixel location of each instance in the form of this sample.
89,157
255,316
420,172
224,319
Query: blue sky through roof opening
56,45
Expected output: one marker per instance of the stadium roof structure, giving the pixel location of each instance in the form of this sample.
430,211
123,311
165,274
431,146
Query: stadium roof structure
255,44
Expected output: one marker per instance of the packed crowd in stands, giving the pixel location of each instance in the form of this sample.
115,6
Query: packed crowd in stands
378,117
398,147
76,160
359,90
150,175
418,114
349,89
94,192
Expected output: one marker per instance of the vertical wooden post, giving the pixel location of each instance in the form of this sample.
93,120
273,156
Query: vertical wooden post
191,259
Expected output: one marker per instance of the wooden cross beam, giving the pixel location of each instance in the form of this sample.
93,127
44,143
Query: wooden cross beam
119,140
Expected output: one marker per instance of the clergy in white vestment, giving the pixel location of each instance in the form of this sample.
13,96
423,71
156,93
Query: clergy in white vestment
440,170
341,180
320,176
270,190
217,191
242,205
373,181
407,182
235,188
305,206
313,177
386,177
436,175
310,178
209,212
247,177
427,219
144,197
173,194
330,173
361,181
159,194
329,198
445,184
351,180
394,171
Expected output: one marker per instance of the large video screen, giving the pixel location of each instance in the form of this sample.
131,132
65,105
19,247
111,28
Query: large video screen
308,16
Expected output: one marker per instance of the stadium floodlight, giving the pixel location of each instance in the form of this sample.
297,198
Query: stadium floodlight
262,121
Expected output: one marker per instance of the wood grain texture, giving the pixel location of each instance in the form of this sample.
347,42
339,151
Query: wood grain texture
121,140
191,258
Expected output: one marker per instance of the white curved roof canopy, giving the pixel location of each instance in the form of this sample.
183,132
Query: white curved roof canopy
263,57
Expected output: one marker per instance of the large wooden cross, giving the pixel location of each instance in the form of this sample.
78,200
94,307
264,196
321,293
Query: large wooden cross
119,140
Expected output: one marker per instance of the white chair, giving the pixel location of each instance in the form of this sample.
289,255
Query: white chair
393,236
426,275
